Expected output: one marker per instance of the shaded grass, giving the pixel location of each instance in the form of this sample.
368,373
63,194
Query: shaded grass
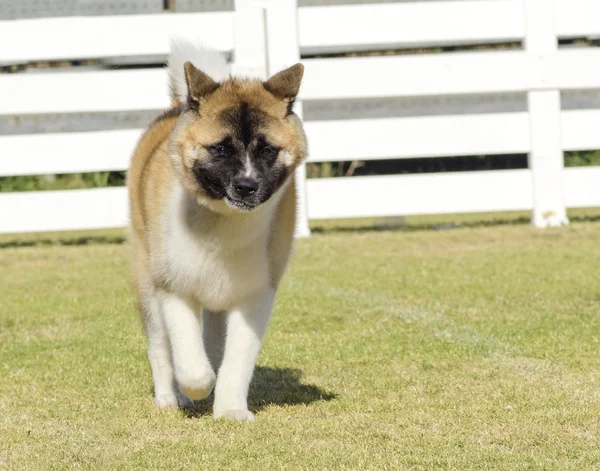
466,349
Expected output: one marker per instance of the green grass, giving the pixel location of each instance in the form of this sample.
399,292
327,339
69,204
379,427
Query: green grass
476,348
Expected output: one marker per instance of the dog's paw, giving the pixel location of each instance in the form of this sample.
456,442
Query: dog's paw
197,386
173,401
234,414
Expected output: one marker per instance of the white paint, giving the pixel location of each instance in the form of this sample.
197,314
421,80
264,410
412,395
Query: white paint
374,26
41,154
418,136
66,210
541,71
355,77
577,18
581,187
327,199
283,51
410,24
546,155
89,37
250,48
434,193
63,92
500,133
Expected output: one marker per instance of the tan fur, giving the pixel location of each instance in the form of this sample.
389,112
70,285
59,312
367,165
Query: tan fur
151,172
173,221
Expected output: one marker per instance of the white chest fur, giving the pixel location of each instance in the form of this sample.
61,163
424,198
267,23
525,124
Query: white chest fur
220,260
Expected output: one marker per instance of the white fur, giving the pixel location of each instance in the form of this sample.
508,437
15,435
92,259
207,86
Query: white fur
208,328
166,393
246,325
220,262
193,371
248,167
212,63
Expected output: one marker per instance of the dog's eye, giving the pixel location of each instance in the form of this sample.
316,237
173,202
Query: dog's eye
269,152
219,150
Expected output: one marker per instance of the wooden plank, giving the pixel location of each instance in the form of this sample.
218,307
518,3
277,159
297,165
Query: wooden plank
402,195
283,51
426,136
386,138
250,40
63,210
416,75
572,69
413,24
364,77
77,152
577,18
431,136
451,74
580,130
323,79
119,90
327,198
581,187
357,27
546,155
109,36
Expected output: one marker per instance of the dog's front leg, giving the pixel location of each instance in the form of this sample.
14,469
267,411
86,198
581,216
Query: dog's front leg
193,372
246,326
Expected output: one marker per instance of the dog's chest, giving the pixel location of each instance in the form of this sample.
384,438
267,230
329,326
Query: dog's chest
220,268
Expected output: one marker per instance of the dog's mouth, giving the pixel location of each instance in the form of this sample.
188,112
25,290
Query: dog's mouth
215,189
212,186
240,204
248,203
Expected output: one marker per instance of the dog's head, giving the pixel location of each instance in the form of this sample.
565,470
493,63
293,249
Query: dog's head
238,142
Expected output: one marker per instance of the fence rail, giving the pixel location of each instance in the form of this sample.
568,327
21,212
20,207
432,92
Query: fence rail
263,37
502,190
455,135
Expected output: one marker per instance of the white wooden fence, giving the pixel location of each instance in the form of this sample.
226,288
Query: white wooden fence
265,36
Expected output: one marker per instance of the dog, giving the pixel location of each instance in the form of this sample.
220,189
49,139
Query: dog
212,197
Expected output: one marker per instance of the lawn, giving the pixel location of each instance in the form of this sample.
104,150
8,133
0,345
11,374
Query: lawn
472,348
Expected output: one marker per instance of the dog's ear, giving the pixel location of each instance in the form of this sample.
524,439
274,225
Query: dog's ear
286,84
199,84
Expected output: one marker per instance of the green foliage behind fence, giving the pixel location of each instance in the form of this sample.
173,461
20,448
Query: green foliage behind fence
315,170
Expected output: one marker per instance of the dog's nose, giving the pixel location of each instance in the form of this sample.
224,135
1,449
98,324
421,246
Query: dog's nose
245,186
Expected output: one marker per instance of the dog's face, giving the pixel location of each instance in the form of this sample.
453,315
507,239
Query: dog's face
238,142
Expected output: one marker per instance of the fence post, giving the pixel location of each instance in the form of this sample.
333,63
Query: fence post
546,155
249,43
283,50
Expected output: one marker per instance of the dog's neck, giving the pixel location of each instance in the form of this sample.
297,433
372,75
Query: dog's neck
232,227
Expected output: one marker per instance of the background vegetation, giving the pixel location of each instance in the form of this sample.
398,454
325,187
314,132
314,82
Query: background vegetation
314,170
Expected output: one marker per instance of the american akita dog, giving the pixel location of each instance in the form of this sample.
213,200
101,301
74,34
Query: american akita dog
213,207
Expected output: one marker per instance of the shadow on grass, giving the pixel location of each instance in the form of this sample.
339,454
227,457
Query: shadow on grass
271,386
68,240
397,227
444,226
357,226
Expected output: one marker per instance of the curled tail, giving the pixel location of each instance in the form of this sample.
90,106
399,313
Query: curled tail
211,62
